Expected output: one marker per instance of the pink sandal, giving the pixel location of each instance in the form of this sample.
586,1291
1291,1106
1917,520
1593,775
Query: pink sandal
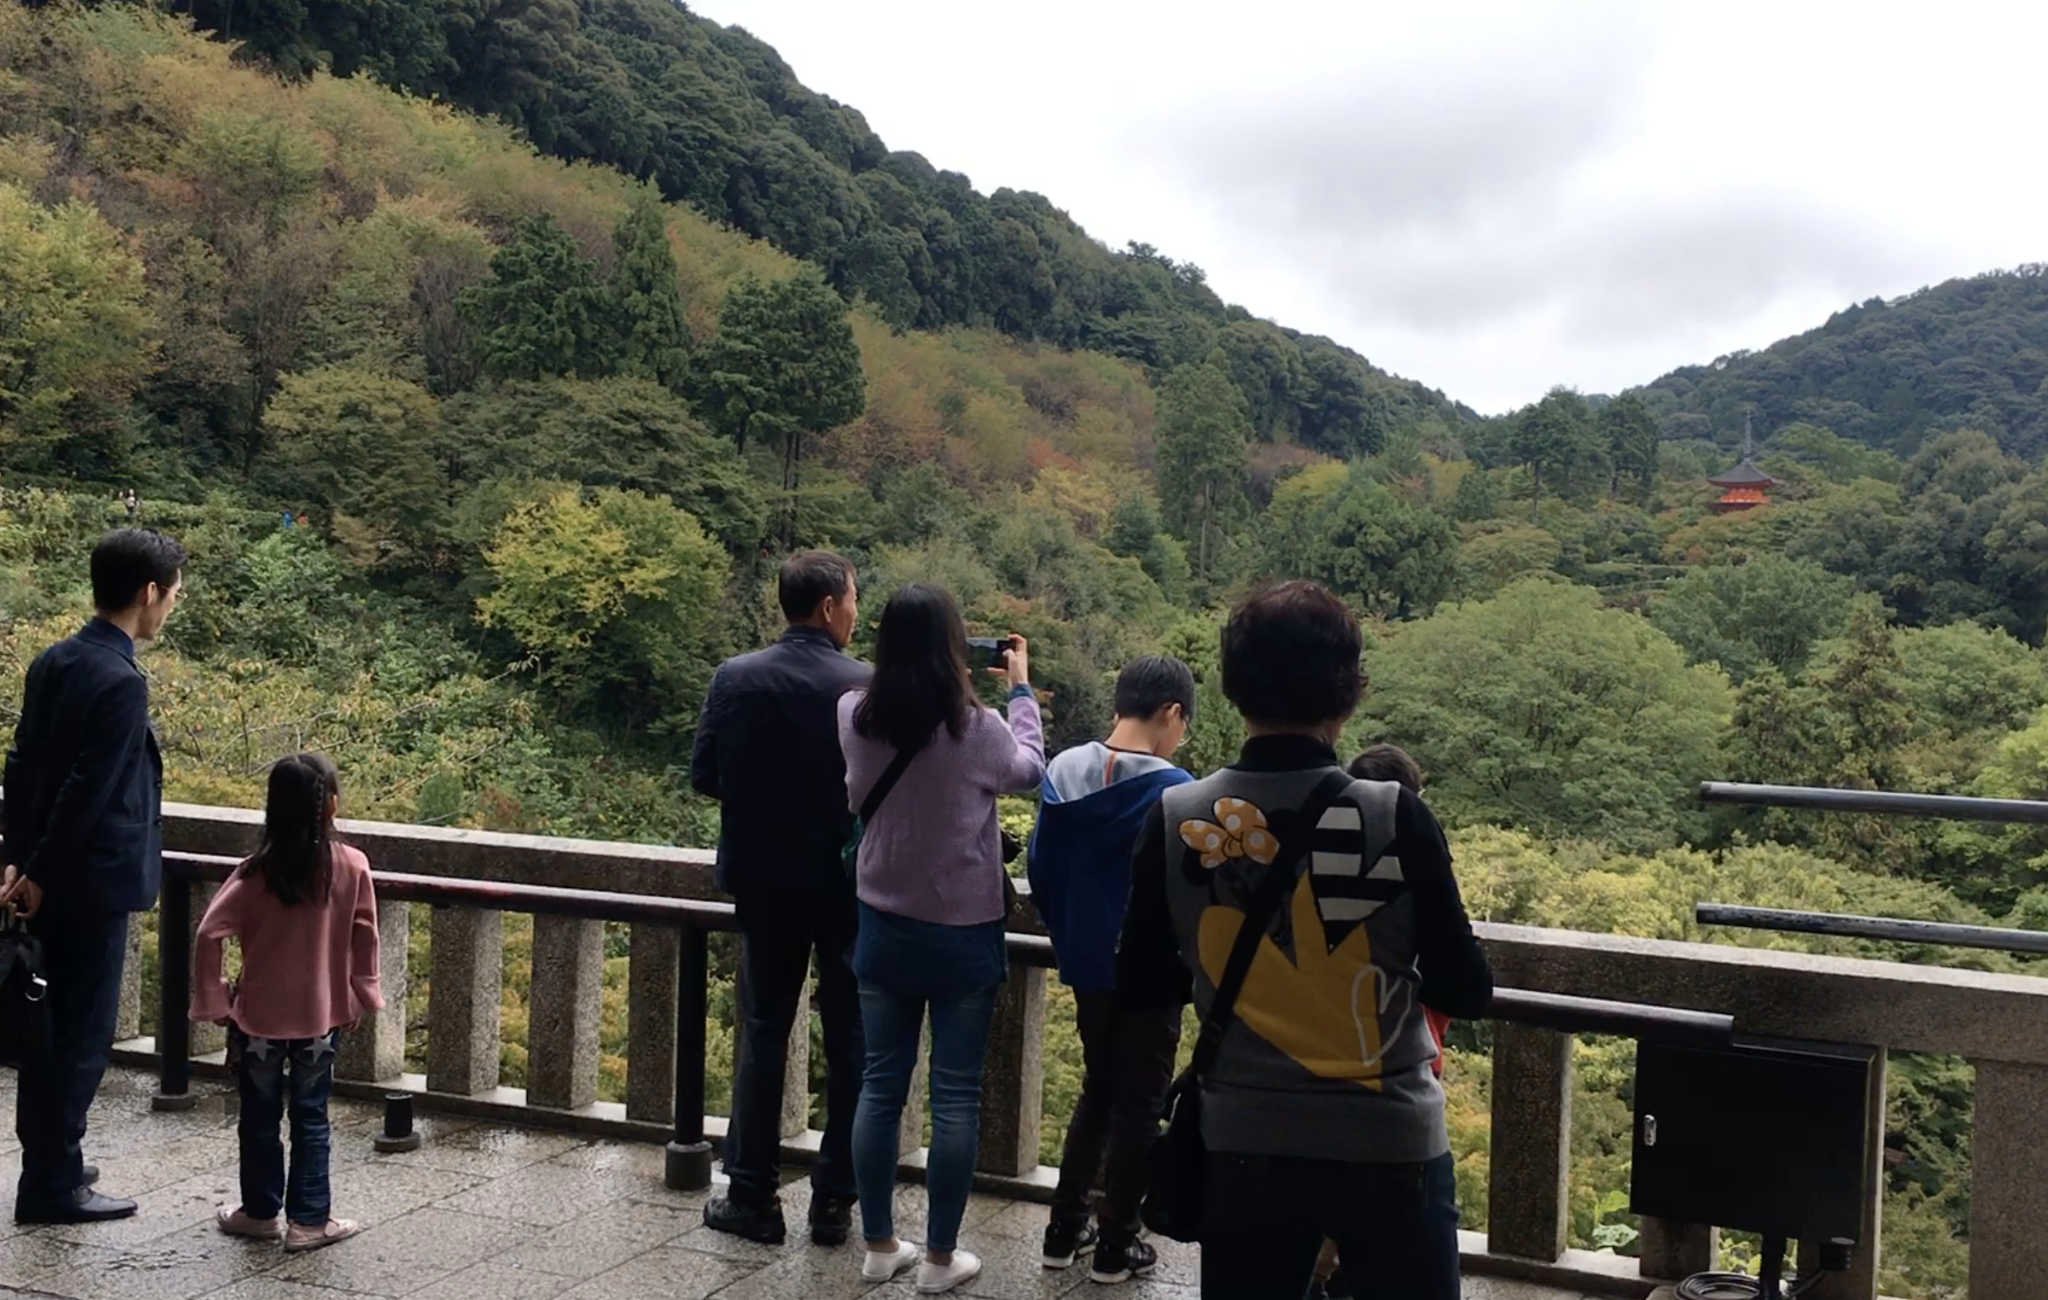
299,1236
235,1222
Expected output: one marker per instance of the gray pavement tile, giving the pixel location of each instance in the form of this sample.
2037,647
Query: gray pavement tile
600,1240
1010,1270
665,1274
726,1246
643,1159
495,1281
268,1286
36,1254
172,1208
375,1193
489,1152
405,1254
546,1194
185,1264
814,1274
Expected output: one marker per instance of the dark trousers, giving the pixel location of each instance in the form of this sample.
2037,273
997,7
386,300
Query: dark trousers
279,1078
83,952
777,938
1127,1056
1396,1227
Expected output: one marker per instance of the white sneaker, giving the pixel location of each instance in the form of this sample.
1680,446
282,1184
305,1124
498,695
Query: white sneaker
877,1267
936,1279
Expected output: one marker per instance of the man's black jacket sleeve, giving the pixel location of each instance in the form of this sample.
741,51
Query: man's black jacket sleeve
1149,969
113,733
1455,977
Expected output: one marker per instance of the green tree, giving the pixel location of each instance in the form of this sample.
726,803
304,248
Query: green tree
620,432
1490,560
1364,540
647,305
1203,432
1541,709
74,333
616,595
783,367
1556,442
544,311
1628,433
1770,611
362,448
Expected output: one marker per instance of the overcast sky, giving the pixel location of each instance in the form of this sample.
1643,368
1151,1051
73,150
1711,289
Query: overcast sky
1493,199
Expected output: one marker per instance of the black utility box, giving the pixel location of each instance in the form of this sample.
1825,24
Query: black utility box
1765,1135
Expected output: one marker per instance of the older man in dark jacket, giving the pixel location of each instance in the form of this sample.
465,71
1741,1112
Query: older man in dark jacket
84,848
768,750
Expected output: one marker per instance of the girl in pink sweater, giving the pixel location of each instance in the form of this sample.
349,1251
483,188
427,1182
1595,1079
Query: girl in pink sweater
304,911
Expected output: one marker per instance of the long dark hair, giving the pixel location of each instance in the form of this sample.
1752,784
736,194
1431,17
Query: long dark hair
295,858
920,677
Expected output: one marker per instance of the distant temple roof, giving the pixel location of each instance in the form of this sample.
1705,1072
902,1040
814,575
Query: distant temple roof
1743,475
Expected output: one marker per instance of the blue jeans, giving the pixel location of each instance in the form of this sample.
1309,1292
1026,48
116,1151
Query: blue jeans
261,1072
891,1023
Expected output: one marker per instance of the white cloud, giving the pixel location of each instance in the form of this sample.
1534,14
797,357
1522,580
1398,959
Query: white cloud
1491,198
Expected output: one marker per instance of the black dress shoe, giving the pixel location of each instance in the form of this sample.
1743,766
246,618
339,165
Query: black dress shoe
82,1206
90,1174
831,1220
760,1223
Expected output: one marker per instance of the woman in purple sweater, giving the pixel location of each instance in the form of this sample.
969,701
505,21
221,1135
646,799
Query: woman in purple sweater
930,880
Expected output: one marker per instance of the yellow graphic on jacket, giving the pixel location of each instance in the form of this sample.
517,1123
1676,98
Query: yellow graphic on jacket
1323,1008
1239,831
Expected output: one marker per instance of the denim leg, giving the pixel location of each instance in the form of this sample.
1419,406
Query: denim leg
959,1051
890,1024
260,1077
307,1199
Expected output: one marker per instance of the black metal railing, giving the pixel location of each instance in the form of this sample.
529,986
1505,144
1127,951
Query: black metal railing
689,1151
1884,803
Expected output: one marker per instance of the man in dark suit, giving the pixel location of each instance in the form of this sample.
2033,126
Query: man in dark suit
84,848
768,750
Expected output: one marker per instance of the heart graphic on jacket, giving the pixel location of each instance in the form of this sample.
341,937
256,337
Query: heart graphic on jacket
1289,1002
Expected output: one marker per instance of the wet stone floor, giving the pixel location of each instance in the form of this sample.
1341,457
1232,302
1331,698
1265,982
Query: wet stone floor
479,1212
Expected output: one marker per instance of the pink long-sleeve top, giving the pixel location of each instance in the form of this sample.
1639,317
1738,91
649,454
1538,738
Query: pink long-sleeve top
307,968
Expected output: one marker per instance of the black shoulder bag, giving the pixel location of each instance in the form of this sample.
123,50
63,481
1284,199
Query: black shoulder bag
849,852
1174,1203
26,1041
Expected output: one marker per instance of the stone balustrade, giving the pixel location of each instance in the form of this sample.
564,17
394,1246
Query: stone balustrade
1998,1022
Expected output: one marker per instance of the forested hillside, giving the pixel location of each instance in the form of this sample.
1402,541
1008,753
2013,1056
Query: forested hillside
1968,353
485,458
714,118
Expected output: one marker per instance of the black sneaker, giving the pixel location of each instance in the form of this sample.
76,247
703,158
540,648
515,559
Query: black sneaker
761,1223
1121,1261
831,1220
1067,1242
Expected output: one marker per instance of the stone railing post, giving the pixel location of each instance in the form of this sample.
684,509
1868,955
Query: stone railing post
375,1051
653,961
1673,1250
1860,1282
468,972
1527,1213
565,1004
1013,1083
2009,1181
128,1012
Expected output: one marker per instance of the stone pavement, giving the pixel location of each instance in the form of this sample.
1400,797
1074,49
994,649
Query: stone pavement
479,1212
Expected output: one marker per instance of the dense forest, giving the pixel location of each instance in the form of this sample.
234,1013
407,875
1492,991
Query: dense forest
485,458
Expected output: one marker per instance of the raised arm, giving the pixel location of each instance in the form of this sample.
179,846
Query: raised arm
1020,764
223,917
365,951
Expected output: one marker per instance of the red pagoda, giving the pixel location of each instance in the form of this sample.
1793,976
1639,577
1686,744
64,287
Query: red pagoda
1742,488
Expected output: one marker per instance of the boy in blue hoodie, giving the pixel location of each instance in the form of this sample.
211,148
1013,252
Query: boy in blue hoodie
1094,804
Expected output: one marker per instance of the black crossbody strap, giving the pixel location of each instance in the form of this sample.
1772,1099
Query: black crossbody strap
1277,884
887,782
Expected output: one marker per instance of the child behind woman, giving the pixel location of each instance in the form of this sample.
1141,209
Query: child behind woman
305,914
